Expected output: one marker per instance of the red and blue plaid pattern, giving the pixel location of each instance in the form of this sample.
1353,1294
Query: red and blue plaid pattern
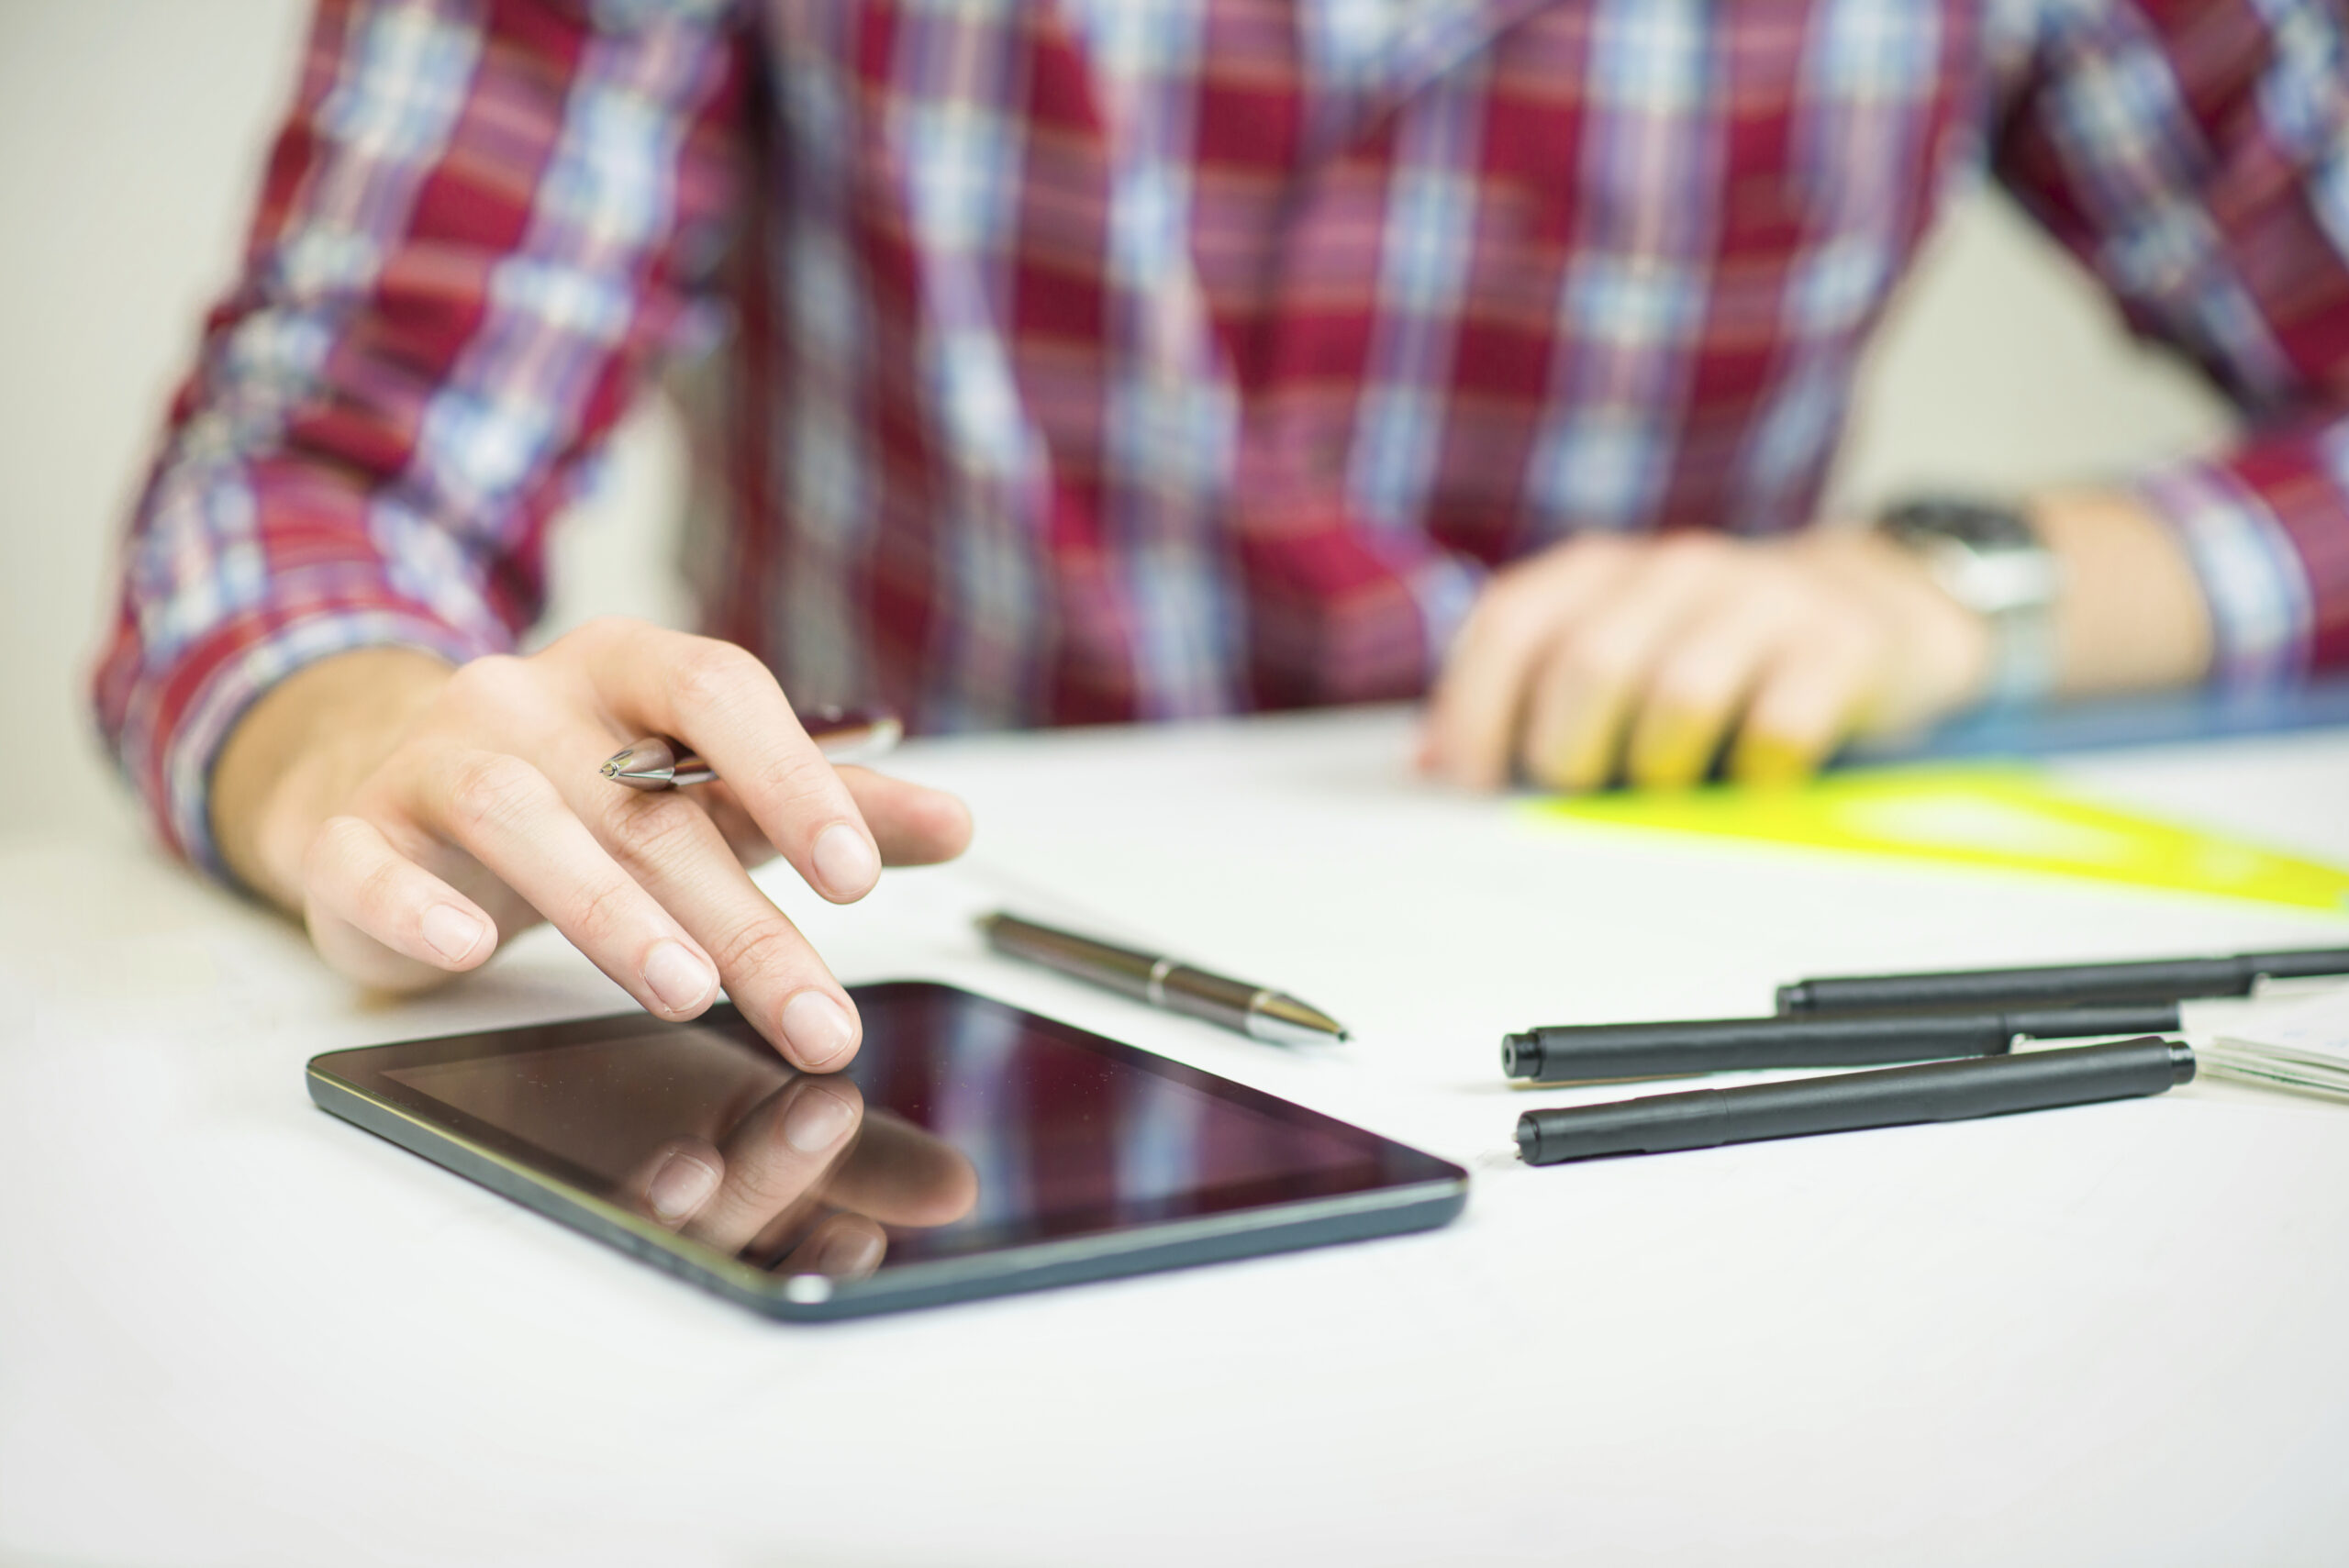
1098,359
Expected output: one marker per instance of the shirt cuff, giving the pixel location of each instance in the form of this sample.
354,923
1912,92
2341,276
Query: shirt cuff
2238,520
191,706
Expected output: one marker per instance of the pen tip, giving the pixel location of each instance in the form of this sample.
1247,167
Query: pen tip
1277,1017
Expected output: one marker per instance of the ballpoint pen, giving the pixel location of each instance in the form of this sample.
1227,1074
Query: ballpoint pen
1256,1011
843,734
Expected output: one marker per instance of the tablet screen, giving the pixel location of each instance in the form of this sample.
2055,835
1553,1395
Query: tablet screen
968,1125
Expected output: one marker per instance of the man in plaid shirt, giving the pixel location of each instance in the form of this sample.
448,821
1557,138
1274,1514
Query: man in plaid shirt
1101,360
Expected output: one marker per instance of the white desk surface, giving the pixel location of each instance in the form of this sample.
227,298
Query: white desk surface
236,1330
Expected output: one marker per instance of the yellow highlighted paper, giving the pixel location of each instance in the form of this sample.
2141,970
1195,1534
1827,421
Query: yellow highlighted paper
1981,815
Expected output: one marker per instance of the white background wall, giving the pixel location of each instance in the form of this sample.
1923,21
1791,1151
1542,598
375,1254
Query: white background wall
130,135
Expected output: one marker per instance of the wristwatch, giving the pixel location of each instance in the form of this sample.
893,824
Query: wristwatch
1990,560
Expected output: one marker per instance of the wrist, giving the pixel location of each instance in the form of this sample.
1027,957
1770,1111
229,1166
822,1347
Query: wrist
1991,561
2125,611
2135,616
302,749
1940,654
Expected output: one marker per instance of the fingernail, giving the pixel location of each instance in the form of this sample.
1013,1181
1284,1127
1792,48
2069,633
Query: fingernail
845,863
678,978
1767,761
451,932
1670,755
817,1120
815,1029
679,1187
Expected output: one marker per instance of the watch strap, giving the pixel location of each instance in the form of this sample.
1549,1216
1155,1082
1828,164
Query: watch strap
1989,558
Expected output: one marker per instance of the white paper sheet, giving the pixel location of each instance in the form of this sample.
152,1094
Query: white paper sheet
2302,1044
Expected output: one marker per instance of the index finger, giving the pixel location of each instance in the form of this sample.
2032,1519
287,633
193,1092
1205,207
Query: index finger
726,705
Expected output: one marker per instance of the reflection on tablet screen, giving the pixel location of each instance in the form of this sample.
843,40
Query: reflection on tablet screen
976,1129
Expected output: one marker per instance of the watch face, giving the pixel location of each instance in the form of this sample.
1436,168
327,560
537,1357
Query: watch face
1982,527
1987,558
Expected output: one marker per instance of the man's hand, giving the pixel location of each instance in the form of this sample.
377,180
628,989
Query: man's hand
1605,658
415,816
1641,660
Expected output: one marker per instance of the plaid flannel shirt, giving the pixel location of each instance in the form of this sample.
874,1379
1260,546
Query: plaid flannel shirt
1098,359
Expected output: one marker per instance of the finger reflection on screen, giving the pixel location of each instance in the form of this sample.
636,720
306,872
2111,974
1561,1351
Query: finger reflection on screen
695,1133
819,1209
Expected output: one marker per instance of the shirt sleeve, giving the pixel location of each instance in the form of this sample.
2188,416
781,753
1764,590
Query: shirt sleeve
2195,153
478,222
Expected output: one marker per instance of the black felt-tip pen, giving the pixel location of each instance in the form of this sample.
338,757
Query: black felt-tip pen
1846,1102
1583,1051
2155,980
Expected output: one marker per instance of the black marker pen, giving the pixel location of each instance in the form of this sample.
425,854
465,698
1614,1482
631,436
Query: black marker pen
2156,980
1845,1102
1578,1052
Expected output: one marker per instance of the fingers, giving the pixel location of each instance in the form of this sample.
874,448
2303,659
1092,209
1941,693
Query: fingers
724,704
677,854
915,825
1808,701
1474,716
510,817
1645,661
1593,680
1703,683
488,812
383,920
742,835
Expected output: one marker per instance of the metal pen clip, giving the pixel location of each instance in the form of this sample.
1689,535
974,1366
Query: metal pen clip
842,734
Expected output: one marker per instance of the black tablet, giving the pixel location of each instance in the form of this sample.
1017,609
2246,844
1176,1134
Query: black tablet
971,1149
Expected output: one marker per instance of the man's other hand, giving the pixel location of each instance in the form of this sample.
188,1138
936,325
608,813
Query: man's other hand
1642,660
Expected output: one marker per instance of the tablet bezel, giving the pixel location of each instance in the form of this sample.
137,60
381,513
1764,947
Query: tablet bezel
1417,1191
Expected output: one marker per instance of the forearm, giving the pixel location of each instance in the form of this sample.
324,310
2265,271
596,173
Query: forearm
301,748
313,498
2130,615
2223,163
